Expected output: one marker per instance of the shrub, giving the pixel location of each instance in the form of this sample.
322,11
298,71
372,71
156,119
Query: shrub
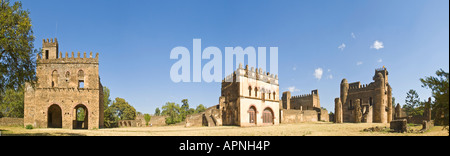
29,127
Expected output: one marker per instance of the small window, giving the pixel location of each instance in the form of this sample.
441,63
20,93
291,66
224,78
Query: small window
46,54
80,84
249,90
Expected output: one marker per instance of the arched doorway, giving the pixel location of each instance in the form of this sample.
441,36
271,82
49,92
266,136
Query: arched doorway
54,116
252,115
268,116
81,117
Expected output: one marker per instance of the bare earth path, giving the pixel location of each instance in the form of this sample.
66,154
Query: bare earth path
301,129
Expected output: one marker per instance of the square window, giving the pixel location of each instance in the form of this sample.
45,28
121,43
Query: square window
80,84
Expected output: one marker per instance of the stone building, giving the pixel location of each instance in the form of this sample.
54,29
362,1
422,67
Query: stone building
365,103
250,97
65,85
302,108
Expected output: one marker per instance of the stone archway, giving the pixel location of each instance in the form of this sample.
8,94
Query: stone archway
54,116
81,119
268,116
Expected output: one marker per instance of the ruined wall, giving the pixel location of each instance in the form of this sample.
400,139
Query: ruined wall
298,116
158,121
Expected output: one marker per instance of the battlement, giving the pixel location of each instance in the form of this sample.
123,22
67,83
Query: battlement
69,58
360,87
251,73
313,93
49,42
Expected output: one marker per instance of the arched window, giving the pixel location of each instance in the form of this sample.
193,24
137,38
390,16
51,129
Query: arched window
256,91
249,90
80,79
274,97
54,78
252,115
267,116
370,101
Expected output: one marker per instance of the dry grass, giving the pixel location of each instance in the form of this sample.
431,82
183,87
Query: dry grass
301,129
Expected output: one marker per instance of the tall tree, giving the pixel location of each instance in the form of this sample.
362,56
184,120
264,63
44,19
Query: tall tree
172,111
157,112
11,104
439,88
200,108
17,53
123,109
413,106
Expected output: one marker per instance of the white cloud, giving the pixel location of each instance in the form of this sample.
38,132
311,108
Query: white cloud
377,45
342,46
330,76
359,63
329,70
380,60
318,73
353,35
293,89
294,68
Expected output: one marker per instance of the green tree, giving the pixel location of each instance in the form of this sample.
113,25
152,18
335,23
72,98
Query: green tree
123,110
17,53
11,103
172,111
157,112
184,109
413,106
200,108
439,88
147,118
106,97
110,117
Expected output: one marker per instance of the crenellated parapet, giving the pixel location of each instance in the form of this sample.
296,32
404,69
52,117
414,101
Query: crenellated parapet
70,58
251,73
361,87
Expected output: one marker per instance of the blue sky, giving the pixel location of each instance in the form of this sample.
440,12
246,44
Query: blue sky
134,39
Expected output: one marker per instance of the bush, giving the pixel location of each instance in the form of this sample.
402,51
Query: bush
29,127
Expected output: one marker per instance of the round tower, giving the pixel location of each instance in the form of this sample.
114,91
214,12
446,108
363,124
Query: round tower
344,91
337,111
379,115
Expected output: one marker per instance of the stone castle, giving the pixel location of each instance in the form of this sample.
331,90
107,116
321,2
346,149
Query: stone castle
365,103
249,97
65,84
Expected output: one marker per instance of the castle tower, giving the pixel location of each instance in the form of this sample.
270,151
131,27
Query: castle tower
344,91
379,103
50,49
337,111
286,99
65,87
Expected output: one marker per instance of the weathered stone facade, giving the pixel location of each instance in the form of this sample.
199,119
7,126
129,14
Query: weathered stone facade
250,98
302,108
64,85
373,101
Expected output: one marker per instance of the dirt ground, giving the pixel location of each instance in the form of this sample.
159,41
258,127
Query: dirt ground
301,129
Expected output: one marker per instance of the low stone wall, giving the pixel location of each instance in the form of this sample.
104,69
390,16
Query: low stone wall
194,120
7,121
416,119
298,116
157,121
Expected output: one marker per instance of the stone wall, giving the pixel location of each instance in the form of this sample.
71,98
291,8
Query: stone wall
157,121
7,121
298,116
